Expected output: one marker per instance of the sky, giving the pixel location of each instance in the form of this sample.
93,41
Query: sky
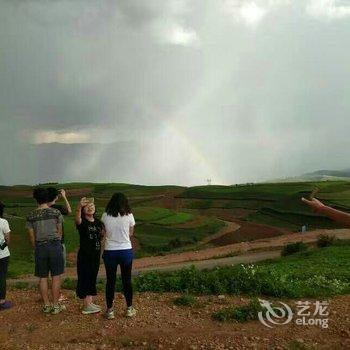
172,91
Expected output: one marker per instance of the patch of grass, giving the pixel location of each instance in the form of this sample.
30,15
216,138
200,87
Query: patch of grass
341,242
126,341
155,239
185,300
199,204
293,248
151,214
239,313
273,220
177,218
69,283
20,285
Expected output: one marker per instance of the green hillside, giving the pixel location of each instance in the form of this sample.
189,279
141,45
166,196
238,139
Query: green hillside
174,218
275,204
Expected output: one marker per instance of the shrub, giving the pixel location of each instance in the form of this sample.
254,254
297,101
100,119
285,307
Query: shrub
240,313
175,243
69,283
185,300
293,248
325,241
252,280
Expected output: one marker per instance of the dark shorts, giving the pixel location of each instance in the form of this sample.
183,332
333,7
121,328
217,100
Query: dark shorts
49,259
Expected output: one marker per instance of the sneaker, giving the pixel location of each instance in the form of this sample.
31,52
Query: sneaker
47,309
109,314
5,305
130,311
96,306
56,309
90,310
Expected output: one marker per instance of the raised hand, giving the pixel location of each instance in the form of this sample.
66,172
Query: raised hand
83,202
314,204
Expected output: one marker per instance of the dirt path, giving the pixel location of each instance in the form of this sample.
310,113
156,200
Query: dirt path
229,227
160,324
246,258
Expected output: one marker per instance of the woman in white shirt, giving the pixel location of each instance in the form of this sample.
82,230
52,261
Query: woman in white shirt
119,225
4,258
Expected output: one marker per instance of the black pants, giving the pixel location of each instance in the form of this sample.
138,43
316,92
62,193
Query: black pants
4,262
112,259
87,268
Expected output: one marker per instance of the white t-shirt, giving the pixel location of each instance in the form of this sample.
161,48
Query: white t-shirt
4,229
117,231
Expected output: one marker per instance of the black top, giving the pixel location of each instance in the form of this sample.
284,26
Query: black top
90,236
63,210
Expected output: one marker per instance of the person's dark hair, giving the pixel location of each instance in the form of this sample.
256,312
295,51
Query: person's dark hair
118,204
2,207
40,194
52,193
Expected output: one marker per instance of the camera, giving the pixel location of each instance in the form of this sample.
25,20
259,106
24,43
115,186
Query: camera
3,246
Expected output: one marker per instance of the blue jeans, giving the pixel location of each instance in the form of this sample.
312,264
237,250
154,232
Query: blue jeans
113,258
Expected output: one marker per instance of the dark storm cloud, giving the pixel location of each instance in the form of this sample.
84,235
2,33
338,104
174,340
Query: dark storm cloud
246,90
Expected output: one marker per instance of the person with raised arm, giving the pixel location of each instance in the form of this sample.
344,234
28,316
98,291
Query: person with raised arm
91,233
65,210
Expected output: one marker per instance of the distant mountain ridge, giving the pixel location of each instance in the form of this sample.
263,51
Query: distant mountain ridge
337,173
318,175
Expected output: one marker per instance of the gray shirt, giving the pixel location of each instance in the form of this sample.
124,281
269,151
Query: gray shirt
45,223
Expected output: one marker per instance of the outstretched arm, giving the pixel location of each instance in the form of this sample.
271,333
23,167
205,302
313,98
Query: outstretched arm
66,202
334,214
81,204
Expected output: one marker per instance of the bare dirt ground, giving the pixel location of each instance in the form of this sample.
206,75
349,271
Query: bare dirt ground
160,324
229,229
248,232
